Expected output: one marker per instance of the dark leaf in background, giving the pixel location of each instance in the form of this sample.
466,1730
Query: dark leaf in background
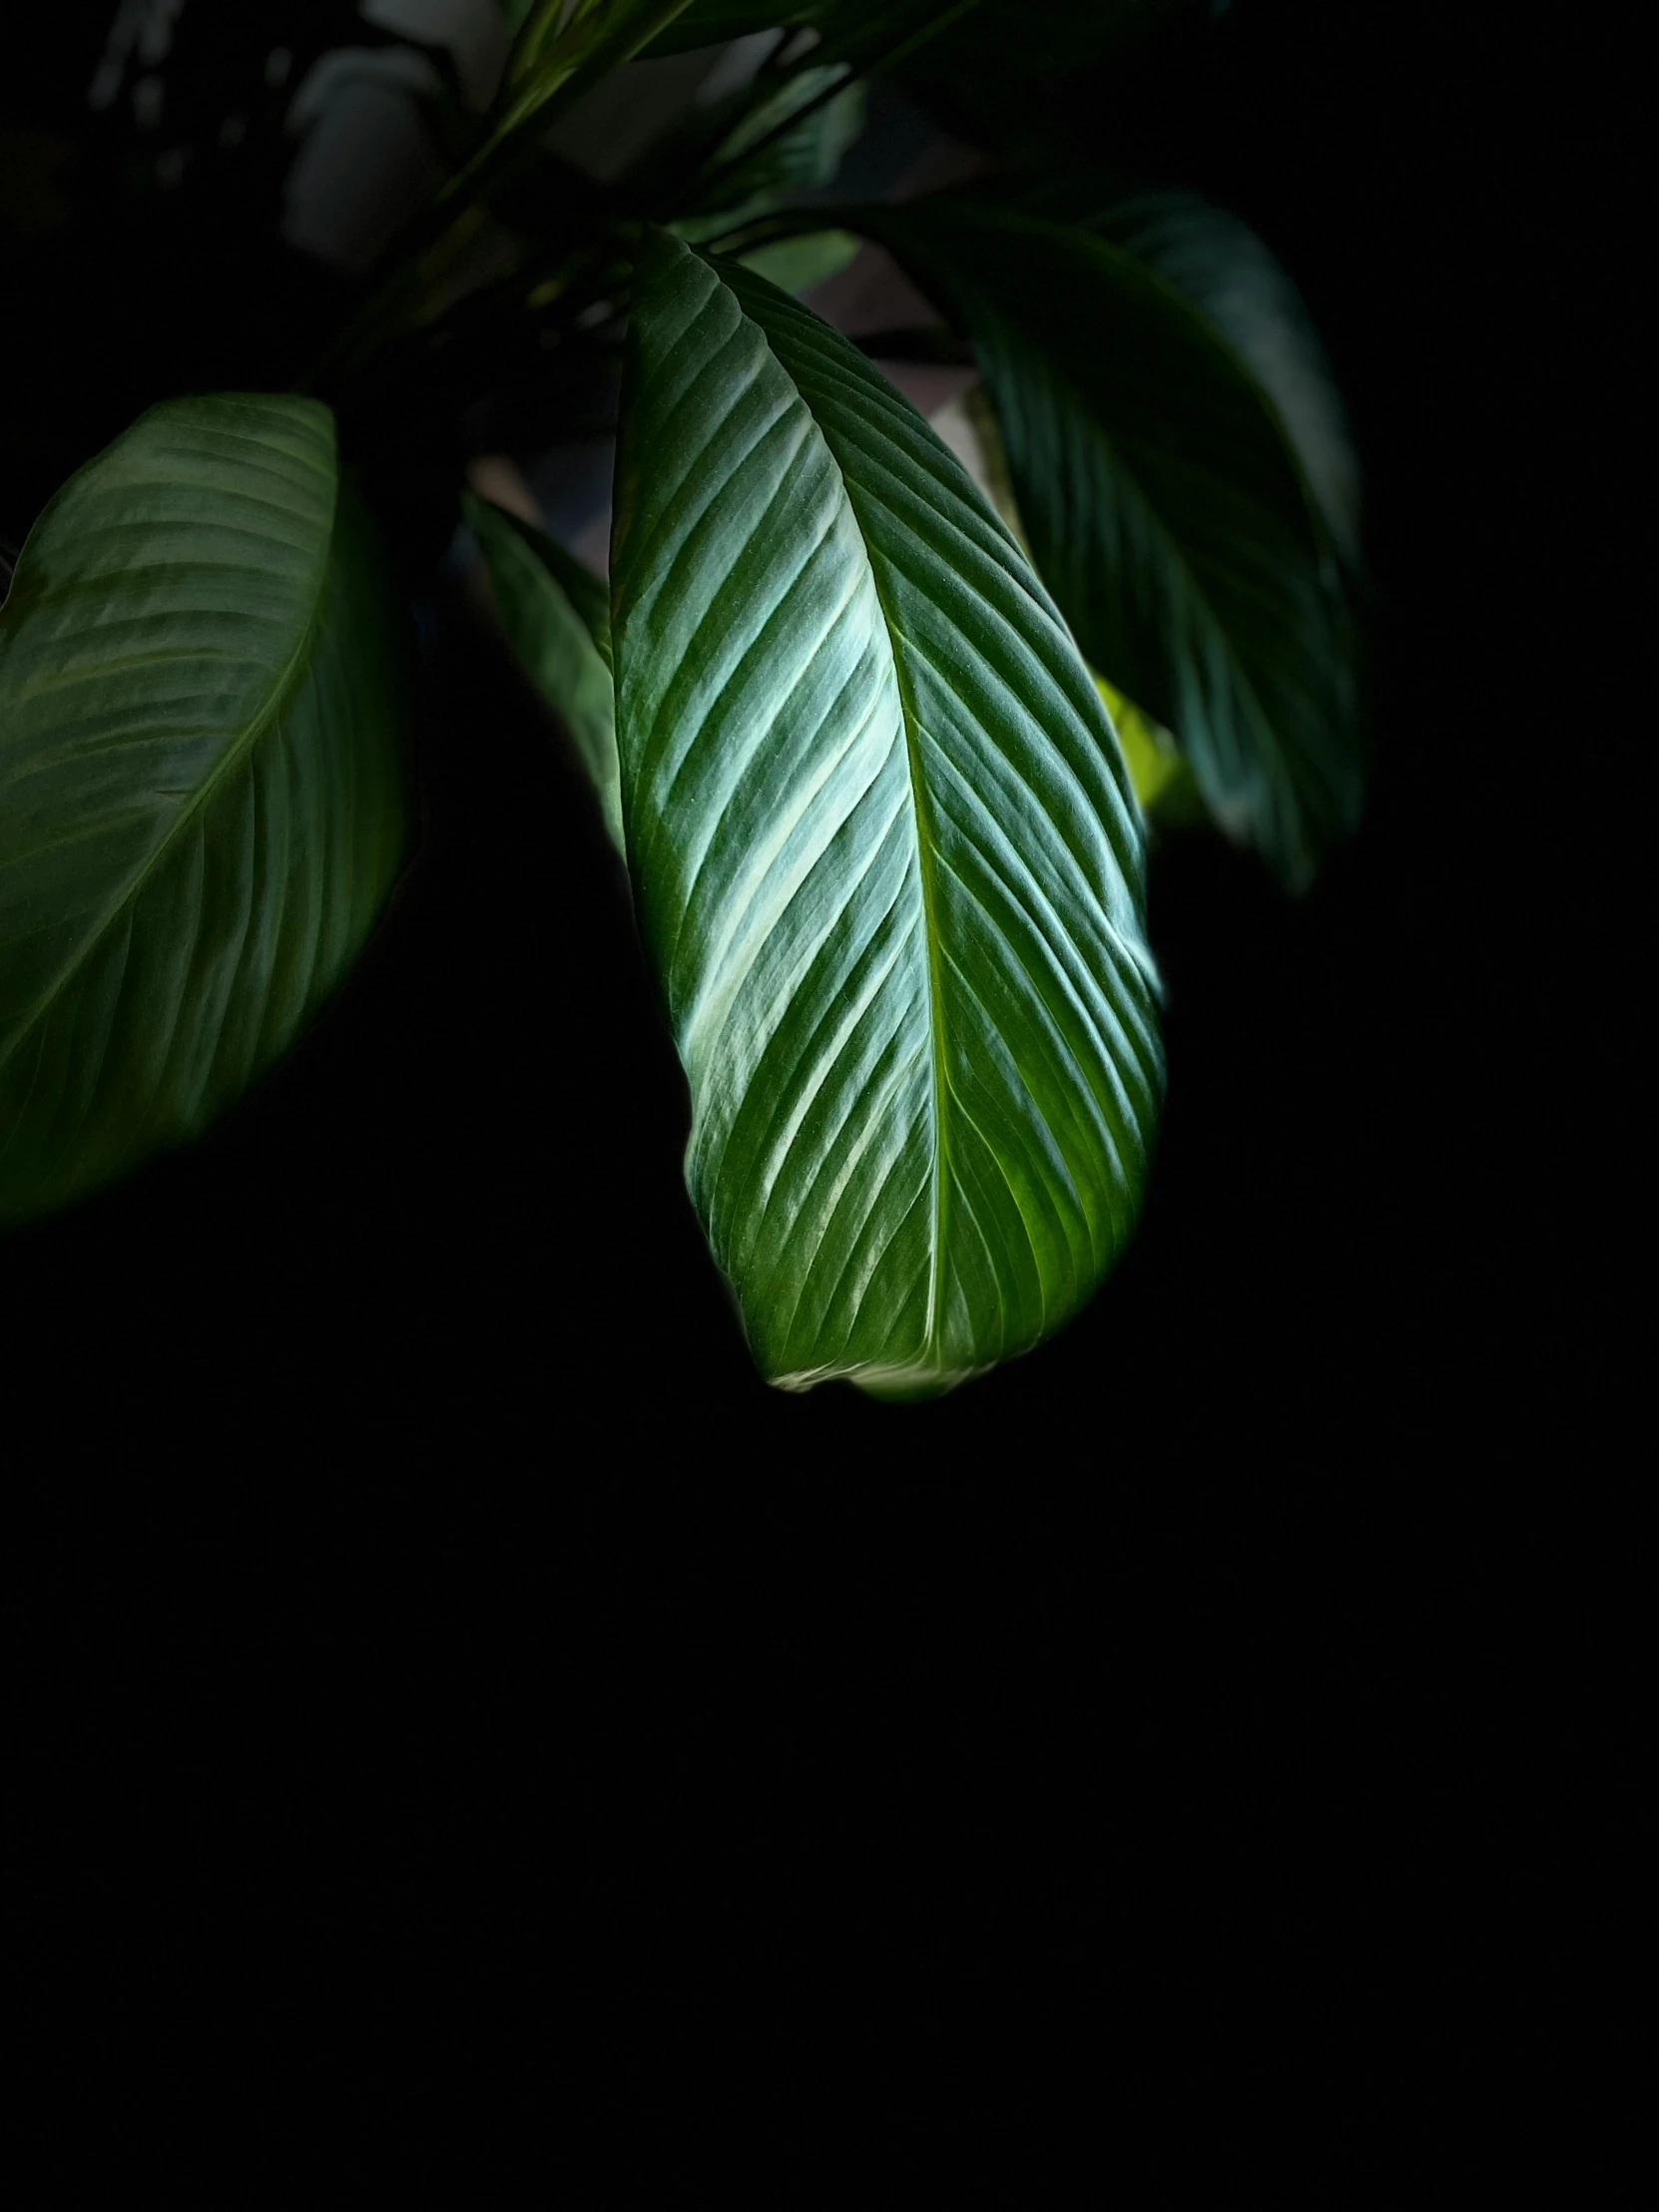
1165,508
1226,271
986,75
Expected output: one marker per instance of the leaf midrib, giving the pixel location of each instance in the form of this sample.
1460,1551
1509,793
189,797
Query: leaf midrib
911,721
924,876
236,753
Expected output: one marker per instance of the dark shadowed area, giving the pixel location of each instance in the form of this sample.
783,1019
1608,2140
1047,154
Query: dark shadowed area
465,1725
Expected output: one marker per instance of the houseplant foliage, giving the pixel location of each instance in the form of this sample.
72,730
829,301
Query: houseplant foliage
846,718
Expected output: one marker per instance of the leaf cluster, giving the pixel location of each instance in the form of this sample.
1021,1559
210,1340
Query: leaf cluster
876,735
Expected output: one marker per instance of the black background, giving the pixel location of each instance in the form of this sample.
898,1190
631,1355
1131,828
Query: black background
463,1716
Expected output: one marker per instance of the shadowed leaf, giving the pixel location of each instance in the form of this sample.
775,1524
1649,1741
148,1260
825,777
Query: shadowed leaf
557,618
202,803
1166,509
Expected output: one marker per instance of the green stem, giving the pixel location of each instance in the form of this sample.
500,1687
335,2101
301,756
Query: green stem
507,146
702,182
528,44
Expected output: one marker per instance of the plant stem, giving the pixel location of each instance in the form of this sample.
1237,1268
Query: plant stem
706,181
503,150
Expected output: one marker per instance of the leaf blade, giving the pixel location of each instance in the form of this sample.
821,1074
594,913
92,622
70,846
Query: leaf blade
1165,510
922,1051
557,618
202,796
1229,275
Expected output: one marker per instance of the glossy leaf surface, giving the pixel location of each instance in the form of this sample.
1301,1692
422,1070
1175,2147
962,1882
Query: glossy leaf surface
1165,506
557,618
885,853
202,803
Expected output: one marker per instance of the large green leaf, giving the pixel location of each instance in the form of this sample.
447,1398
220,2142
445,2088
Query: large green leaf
202,803
885,856
1230,276
557,618
1166,509
1225,270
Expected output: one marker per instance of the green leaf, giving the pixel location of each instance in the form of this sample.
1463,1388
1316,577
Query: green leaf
557,618
885,856
1165,508
553,32
203,805
1228,274
1223,269
1162,781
